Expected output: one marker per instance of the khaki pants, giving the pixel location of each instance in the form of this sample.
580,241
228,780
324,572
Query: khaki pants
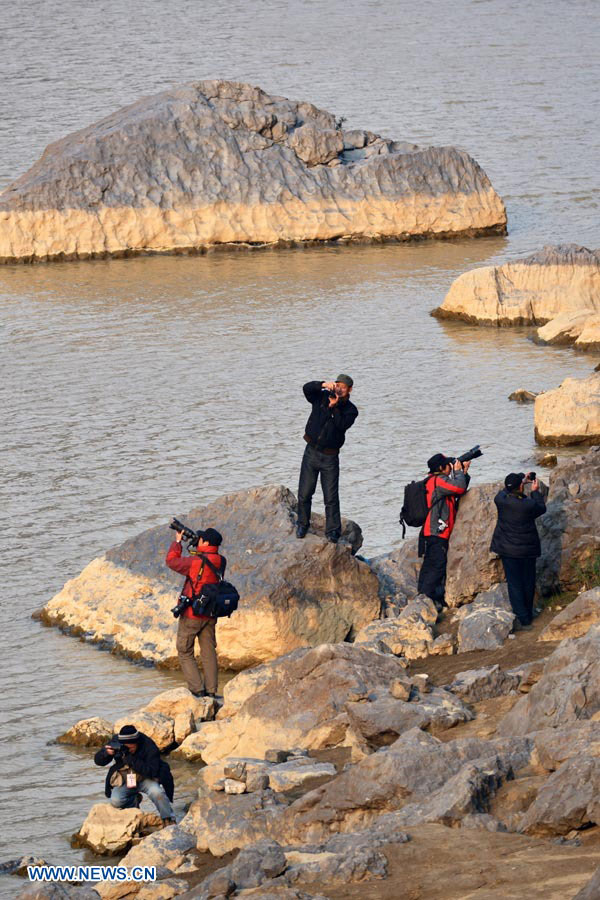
187,632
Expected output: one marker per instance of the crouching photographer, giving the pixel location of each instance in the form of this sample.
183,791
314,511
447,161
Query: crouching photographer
202,567
136,769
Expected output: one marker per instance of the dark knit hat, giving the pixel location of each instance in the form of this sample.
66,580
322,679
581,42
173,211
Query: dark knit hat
211,536
437,461
345,379
514,481
128,734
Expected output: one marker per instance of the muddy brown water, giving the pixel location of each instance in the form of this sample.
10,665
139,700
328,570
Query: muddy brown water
132,389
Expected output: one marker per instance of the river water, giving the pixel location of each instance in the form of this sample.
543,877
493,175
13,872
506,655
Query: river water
133,389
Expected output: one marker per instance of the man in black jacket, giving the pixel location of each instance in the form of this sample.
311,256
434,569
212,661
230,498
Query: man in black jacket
517,542
332,415
137,766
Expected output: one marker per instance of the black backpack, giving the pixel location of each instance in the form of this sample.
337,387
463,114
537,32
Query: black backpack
414,508
215,600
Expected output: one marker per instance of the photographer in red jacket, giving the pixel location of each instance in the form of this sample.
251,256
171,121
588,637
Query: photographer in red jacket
191,626
447,482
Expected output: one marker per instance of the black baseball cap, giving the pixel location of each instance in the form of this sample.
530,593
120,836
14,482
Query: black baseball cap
438,461
211,536
514,480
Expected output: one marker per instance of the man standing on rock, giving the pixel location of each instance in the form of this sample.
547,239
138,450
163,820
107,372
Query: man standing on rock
447,482
198,573
136,767
517,542
332,415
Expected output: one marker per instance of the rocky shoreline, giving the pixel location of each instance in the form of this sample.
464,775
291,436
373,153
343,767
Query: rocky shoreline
500,750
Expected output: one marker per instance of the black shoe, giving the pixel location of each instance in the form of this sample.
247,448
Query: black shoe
333,537
199,693
138,799
167,822
301,531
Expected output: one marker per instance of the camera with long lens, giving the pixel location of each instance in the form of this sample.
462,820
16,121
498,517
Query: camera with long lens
191,536
474,453
182,604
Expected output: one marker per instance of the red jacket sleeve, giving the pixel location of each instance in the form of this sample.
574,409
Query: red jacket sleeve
176,561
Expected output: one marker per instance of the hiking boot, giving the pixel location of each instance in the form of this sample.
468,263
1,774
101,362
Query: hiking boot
201,693
301,531
333,537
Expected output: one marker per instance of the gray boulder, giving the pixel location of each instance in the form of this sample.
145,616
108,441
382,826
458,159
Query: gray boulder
412,780
222,822
576,619
398,572
221,162
591,891
553,746
486,622
294,593
568,691
482,684
568,799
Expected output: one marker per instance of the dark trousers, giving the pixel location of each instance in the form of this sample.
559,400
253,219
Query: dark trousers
520,577
432,577
315,463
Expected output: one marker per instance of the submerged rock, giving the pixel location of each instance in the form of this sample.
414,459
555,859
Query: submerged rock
293,593
221,162
559,285
569,414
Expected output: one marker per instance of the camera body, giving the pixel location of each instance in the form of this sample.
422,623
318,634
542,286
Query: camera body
531,477
115,744
182,604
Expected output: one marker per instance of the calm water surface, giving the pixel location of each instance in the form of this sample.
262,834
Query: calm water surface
132,389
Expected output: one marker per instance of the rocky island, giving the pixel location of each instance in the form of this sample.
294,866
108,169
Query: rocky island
216,163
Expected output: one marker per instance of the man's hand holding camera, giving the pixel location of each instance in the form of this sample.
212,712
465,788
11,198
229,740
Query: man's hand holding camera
334,397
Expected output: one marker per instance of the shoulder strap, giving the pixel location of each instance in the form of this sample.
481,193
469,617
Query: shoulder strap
210,565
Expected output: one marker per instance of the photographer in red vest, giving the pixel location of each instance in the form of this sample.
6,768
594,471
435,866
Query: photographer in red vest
191,626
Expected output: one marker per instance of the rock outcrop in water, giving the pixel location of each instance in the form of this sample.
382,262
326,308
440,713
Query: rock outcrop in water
220,162
557,288
293,593
569,414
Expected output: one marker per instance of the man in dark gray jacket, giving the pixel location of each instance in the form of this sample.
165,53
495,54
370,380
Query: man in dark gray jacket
517,542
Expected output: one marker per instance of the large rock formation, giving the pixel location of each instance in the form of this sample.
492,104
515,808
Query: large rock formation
293,593
303,699
558,285
569,414
220,162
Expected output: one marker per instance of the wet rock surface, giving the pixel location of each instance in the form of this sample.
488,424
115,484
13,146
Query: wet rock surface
222,162
294,593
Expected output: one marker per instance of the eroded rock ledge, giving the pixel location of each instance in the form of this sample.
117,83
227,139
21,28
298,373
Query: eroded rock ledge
557,288
221,162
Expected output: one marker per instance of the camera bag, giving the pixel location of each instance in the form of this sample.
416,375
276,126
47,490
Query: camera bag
415,508
217,599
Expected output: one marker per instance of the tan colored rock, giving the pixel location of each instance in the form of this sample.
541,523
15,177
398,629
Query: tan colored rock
300,705
409,634
180,700
558,281
294,593
94,732
570,414
220,162
163,890
576,619
589,336
107,830
153,724
183,725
